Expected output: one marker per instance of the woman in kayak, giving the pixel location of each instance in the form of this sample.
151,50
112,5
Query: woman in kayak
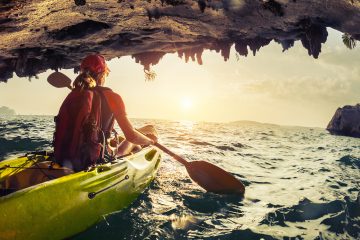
86,119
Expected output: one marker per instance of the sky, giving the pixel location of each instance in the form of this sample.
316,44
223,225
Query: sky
289,88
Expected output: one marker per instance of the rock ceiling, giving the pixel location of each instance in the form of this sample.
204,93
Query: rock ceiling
37,35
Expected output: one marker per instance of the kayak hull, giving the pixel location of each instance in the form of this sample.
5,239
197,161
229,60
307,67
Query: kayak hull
68,205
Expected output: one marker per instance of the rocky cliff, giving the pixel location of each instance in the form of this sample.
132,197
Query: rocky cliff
346,121
38,35
6,111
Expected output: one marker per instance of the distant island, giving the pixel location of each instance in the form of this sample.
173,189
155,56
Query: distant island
7,111
252,122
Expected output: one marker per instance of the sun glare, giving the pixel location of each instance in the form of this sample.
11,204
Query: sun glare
186,103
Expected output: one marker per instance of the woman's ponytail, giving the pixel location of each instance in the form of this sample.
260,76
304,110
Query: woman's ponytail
84,81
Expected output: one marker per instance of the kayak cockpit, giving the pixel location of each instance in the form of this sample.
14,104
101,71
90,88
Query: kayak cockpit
33,169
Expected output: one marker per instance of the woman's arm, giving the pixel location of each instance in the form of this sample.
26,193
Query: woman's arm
117,106
131,134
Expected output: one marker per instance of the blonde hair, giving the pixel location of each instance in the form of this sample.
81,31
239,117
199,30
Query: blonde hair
87,80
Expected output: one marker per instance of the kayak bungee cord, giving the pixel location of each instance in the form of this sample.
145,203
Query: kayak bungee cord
19,167
31,168
51,167
31,158
91,195
111,159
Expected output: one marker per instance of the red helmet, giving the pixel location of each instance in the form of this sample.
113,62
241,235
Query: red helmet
94,63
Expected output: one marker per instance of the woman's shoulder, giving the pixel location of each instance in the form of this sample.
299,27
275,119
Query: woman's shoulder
107,92
101,88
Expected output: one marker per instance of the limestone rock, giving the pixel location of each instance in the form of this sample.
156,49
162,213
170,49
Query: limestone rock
5,111
39,35
346,121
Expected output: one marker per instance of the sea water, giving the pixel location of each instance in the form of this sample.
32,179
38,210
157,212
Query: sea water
301,183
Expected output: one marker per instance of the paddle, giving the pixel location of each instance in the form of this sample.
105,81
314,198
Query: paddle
208,176
59,80
205,174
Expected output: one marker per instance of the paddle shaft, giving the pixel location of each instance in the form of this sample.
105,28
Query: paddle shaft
172,154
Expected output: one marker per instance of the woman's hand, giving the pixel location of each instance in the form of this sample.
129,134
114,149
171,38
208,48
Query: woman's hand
152,137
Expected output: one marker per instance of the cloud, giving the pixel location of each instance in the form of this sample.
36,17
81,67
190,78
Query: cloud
331,83
333,78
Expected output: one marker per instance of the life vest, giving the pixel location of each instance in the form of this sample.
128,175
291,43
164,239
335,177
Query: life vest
82,126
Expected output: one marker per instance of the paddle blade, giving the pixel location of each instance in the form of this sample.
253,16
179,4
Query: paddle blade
59,80
214,179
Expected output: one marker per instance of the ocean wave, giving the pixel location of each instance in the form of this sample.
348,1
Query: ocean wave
212,203
346,221
237,234
344,215
240,145
304,210
201,143
18,144
349,160
226,148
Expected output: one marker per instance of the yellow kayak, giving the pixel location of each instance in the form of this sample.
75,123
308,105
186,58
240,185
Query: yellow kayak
41,200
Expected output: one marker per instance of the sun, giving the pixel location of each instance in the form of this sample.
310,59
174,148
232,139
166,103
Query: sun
186,103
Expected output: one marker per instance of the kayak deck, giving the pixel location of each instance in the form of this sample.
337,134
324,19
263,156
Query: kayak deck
48,210
28,171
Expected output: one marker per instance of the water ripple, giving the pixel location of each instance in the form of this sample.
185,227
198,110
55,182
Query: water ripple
301,183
